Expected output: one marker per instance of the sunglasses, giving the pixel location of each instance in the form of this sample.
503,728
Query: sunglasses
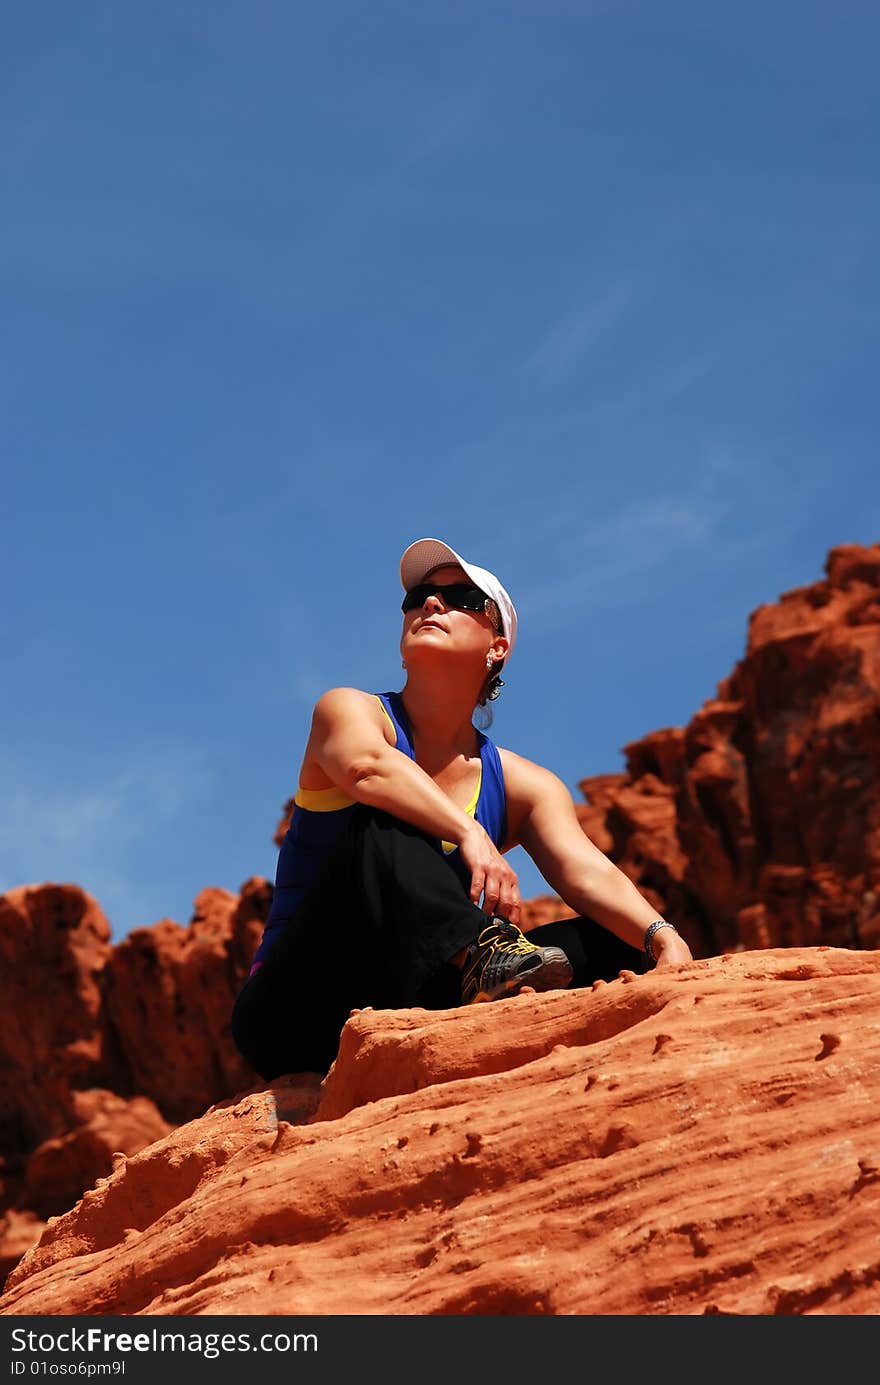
458,596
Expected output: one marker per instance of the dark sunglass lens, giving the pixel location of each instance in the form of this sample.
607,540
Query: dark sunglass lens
415,597
461,596
466,598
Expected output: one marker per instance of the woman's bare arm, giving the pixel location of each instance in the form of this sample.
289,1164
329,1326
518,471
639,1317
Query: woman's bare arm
348,742
582,875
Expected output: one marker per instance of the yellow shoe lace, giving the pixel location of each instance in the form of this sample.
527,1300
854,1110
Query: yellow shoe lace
502,942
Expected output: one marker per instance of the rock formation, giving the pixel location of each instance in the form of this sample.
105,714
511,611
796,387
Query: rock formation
700,1140
758,824
755,827
104,1049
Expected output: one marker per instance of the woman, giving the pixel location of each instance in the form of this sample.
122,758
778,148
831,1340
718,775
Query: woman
392,887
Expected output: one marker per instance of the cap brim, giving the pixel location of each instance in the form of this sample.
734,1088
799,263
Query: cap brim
423,556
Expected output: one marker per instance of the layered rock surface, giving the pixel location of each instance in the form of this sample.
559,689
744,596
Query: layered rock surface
700,1140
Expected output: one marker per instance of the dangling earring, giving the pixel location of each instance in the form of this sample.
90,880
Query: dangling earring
403,663
497,685
497,681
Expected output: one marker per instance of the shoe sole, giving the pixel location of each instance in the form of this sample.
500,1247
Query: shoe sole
553,975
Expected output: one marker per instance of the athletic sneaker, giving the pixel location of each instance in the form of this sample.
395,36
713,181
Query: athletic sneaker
502,959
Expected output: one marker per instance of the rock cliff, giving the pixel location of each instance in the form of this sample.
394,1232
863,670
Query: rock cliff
758,824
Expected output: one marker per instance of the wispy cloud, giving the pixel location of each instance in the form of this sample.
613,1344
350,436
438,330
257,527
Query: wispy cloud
581,329
624,545
732,513
448,123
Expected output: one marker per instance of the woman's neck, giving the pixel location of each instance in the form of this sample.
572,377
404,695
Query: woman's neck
440,718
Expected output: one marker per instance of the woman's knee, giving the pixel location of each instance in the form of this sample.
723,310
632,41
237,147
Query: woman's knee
247,1027
279,1027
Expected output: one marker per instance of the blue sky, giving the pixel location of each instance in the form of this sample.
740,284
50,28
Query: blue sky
588,290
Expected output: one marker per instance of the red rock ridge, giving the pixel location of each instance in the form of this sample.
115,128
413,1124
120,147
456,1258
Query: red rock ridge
758,824
700,1140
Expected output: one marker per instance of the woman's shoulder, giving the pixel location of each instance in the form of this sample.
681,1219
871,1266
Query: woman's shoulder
346,697
523,777
526,784
348,713
343,703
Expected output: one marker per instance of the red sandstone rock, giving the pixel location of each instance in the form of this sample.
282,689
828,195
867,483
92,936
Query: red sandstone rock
544,908
54,945
108,1126
19,1232
169,993
54,1042
771,831
123,1042
700,1140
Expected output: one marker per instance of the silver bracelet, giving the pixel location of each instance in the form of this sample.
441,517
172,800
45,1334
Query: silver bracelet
649,935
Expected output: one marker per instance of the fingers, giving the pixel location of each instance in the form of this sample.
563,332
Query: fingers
509,901
501,893
494,886
478,881
490,892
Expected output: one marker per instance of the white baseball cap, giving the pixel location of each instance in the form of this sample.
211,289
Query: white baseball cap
425,554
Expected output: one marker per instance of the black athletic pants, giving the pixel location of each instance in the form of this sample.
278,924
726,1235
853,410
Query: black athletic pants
378,928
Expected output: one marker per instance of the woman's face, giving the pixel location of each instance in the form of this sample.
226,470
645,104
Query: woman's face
436,626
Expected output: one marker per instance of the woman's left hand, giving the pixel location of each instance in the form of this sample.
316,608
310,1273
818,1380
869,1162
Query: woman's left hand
494,884
670,949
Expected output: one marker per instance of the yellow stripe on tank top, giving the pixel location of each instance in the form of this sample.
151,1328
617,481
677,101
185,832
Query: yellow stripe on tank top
322,800
388,715
470,810
332,799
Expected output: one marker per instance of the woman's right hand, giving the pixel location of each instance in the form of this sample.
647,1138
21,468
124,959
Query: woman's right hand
493,879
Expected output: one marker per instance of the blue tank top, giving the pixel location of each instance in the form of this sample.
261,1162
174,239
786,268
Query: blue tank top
319,816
